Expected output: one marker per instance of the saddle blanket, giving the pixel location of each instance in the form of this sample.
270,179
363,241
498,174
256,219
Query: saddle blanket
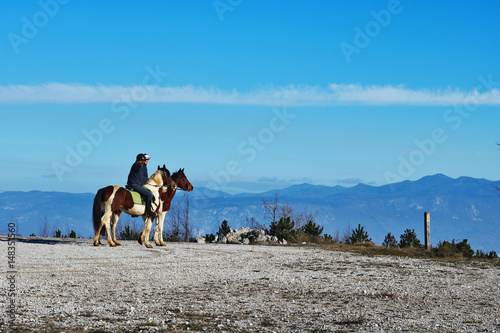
136,197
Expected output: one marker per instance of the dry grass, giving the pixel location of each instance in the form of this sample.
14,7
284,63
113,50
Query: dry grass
371,249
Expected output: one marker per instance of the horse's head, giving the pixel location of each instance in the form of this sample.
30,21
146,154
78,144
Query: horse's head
181,180
167,178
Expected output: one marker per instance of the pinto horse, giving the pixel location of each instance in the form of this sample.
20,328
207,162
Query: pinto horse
166,196
112,200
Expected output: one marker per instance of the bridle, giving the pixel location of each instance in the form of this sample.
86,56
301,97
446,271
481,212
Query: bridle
175,187
185,192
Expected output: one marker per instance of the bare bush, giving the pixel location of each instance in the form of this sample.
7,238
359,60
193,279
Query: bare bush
346,236
44,228
274,210
253,224
179,228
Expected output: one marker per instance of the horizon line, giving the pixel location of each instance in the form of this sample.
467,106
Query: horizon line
286,187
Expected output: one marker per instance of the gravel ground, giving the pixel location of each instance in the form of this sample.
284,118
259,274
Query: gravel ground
72,286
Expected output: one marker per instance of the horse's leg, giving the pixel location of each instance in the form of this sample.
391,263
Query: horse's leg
158,237
98,217
107,220
147,230
114,222
97,236
162,223
141,237
157,228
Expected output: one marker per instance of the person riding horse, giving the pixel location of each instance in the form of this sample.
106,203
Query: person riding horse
137,177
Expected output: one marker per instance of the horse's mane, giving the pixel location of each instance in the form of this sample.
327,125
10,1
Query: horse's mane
160,176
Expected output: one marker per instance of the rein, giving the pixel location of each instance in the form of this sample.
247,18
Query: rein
179,203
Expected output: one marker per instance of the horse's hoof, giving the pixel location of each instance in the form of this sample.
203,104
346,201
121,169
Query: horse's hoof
118,244
140,241
96,244
112,244
163,244
149,246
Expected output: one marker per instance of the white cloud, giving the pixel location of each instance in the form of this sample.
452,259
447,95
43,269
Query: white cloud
334,94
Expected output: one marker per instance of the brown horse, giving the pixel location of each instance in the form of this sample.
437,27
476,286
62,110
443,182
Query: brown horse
112,200
166,196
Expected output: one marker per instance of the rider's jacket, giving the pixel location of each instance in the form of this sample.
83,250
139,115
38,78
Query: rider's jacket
138,174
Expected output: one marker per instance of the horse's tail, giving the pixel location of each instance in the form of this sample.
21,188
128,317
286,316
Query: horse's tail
97,211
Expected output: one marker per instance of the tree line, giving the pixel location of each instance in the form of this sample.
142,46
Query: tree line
282,221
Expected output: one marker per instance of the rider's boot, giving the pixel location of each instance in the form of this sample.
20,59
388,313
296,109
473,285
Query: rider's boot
149,209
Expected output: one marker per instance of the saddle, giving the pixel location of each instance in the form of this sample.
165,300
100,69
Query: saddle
136,196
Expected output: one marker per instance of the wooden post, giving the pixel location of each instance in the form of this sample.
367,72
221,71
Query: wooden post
427,230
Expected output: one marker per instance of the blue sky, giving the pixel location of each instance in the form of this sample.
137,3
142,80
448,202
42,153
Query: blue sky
248,95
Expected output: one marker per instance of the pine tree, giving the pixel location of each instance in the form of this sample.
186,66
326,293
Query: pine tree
390,241
312,229
223,229
359,235
409,239
283,229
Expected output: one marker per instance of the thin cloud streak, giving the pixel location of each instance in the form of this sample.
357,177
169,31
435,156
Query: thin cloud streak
333,95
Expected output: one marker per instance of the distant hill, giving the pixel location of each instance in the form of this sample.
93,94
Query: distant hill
463,208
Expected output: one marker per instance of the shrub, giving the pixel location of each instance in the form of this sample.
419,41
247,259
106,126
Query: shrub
327,237
390,241
223,229
447,249
129,233
465,249
409,239
172,234
480,254
72,234
209,238
283,229
359,235
312,229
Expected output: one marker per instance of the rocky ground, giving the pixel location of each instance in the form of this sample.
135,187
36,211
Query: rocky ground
72,286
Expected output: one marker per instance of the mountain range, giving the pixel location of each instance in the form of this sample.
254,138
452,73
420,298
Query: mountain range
462,208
